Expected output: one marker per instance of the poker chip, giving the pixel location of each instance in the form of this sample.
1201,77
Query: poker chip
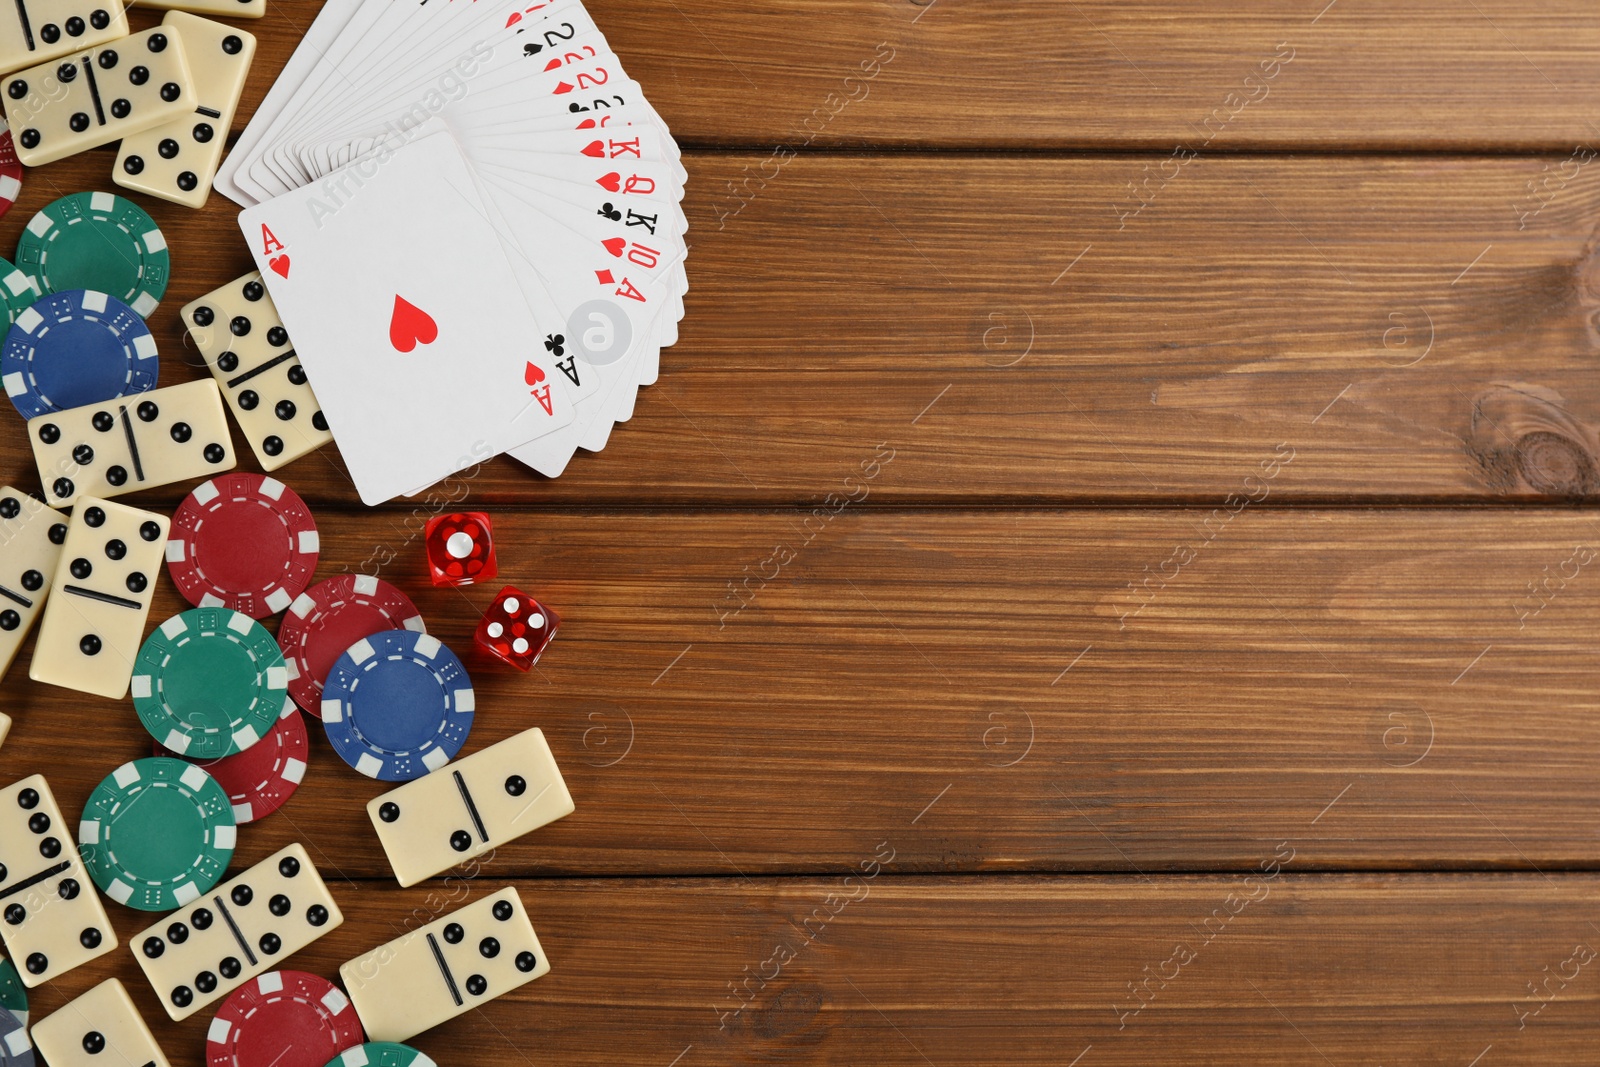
242,541
261,778
330,617
13,994
15,1048
74,348
156,833
397,705
97,241
283,1019
10,169
381,1054
17,291
209,682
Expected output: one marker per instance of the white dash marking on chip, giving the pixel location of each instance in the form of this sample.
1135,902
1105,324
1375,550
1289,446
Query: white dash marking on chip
434,758
272,488
177,550
174,626
94,300
194,778
293,770
240,623
366,585
427,647
226,836
186,893
277,600
219,1030
126,775
205,493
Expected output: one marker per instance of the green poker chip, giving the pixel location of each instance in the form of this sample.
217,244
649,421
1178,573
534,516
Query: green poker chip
13,996
157,833
17,294
209,682
381,1054
97,241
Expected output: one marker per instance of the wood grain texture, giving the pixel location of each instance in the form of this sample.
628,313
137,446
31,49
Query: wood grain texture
1003,971
1396,321
1114,691
1415,74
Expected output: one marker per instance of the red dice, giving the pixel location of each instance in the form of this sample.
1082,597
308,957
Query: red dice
460,548
516,628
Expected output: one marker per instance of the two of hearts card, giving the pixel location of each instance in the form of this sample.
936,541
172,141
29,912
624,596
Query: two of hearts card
469,219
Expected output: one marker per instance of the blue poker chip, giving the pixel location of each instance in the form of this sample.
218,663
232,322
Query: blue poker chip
75,348
397,705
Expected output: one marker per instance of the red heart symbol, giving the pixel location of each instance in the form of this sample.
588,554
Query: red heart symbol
553,64
611,182
562,87
516,17
533,375
615,245
586,124
279,265
409,324
597,149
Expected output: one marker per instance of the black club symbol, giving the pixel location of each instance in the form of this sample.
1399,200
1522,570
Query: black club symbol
610,212
553,343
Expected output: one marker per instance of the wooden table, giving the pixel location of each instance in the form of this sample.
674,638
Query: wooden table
1101,579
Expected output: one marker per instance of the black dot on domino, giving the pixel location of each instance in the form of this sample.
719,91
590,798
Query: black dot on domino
94,1042
50,33
489,948
94,517
121,108
215,453
502,910
79,122
150,530
239,326
227,361
188,181
206,982
477,985
38,822
149,411
138,75
137,582
89,645
116,548
67,71
81,568
30,138
170,91
320,421
388,811
230,968
316,915
454,933
100,18
15,913
133,164
74,26
157,42
285,410
107,59
153,947
89,937
182,996
279,905
102,421
17,89
277,337
204,316
249,399
167,147
270,944
181,432
9,620
526,961
460,840
83,455
232,45
68,890
38,963
272,445
203,132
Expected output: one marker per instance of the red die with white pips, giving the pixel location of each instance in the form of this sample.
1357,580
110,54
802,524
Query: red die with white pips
516,628
460,548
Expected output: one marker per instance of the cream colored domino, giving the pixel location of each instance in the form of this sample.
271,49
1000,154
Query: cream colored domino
238,332
132,442
34,31
246,926
176,161
446,968
53,918
30,543
102,1028
5,727
103,585
93,97
233,9
472,806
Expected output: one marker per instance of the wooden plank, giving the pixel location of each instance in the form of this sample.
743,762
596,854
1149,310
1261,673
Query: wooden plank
1279,968
1419,74
1387,319
1106,691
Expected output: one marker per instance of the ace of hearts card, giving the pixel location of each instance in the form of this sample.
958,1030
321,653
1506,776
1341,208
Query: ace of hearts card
408,317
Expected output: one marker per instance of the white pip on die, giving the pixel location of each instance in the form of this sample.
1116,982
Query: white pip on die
177,160
102,1028
30,545
132,442
246,926
93,97
34,31
103,585
446,968
470,807
238,332
53,918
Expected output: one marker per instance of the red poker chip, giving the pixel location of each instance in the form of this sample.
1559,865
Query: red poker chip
261,778
283,1019
10,170
242,541
330,617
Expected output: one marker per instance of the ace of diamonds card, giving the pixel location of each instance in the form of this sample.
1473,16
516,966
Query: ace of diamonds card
397,294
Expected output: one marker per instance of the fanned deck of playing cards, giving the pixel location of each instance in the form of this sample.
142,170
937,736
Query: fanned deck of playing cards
470,221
